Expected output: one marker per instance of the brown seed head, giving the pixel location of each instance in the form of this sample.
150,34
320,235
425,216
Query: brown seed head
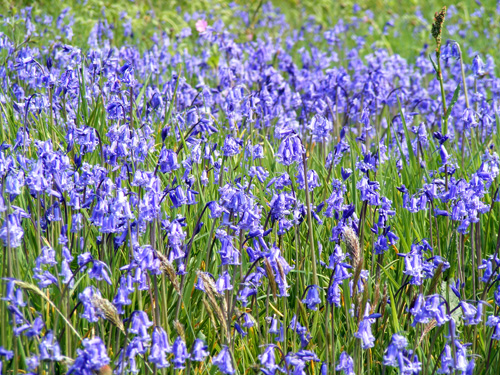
104,370
108,310
437,26
352,245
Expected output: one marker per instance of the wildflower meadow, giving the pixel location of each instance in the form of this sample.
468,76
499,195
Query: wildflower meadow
278,187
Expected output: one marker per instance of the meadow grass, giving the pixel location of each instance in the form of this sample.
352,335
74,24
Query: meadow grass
154,196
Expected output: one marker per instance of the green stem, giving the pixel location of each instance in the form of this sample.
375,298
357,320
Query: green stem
309,223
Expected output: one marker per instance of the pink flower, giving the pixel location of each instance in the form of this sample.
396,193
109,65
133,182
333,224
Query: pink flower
201,25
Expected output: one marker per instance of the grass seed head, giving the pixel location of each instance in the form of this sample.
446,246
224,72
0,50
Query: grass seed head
169,269
108,310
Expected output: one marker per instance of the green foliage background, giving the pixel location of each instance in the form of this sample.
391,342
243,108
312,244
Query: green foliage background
168,16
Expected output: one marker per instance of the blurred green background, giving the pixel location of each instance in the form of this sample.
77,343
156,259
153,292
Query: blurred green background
400,26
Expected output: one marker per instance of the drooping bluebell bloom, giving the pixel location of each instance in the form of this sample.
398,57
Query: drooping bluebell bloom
223,283
472,315
346,173
134,348
478,67
12,232
91,358
456,288
488,265
291,150
8,354
199,351
312,299
140,324
268,360
49,348
394,354
123,292
426,309
461,361
231,146
320,128
345,364
447,361
168,161
89,310
160,348
364,332
228,252
36,328
180,353
224,361
312,179
302,331
368,190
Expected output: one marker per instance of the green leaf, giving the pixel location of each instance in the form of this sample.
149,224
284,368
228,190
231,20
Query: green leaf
433,63
394,313
453,101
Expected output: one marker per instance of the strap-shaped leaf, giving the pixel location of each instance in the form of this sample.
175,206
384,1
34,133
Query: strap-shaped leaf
453,101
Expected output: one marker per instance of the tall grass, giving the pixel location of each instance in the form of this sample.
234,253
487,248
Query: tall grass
142,208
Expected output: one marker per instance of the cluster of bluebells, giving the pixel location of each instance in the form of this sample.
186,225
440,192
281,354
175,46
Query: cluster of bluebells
127,160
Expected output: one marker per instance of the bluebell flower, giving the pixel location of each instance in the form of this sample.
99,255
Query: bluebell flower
461,362
224,361
122,294
199,351
160,348
469,119
228,252
248,321
394,355
307,355
346,173
31,363
180,353
127,75
91,358
86,297
168,161
49,348
432,307
12,231
320,128
478,67
291,150
368,190
224,282
447,361
312,179
45,279
36,328
268,360
312,299
231,146
273,326
134,348
99,271
35,179
456,288
302,331
8,354
364,333
345,364
444,155
472,315
298,365
140,324
488,265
